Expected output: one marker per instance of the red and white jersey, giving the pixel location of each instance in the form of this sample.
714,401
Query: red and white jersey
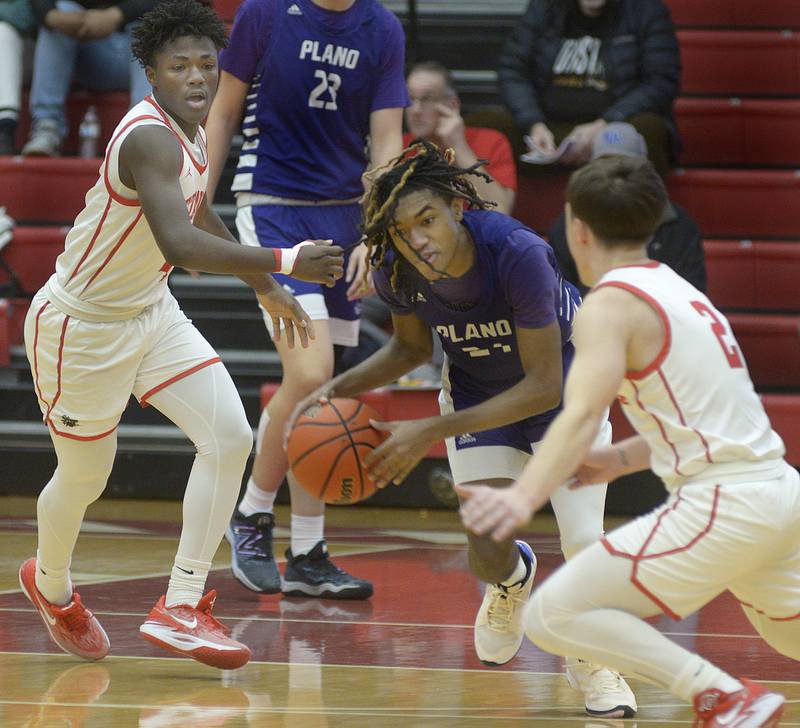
111,267
695,403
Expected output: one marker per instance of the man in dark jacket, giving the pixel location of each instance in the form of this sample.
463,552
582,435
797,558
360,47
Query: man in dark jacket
572,66
677,241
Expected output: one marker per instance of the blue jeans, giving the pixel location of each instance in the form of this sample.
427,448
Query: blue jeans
99,65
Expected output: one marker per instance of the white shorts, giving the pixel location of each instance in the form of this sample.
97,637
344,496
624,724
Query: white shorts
709,537
85,372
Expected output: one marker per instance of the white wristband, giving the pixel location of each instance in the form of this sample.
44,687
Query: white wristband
289,257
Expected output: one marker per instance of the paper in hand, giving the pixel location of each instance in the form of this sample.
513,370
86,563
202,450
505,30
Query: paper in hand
534,155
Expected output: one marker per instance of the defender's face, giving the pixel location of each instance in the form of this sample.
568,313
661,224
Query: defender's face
426,90
592,8
186,75
426,231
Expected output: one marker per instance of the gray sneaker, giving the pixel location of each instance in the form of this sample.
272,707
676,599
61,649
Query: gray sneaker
45,140
252,560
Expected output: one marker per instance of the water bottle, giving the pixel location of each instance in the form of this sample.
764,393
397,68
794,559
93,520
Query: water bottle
89,133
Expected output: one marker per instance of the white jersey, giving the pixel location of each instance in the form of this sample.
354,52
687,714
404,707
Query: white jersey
111,267
695,403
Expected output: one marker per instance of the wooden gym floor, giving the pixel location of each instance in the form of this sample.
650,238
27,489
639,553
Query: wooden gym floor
403,658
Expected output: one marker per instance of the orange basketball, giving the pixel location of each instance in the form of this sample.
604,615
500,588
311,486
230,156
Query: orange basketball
326,448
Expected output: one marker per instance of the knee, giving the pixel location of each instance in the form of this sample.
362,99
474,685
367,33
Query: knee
235,441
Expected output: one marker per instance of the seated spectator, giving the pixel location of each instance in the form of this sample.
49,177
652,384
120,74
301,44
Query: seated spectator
677,241
435,115
90,43
16,21
572,66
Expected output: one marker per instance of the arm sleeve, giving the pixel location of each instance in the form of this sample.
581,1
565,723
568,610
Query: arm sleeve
501,164
526,273
383,287
659,71
250,35
515,70
390,88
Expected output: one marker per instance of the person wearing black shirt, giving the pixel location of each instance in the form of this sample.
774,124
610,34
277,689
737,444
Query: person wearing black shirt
570,67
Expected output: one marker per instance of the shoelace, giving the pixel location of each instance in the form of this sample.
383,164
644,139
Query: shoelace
76,617
501,610
604,680
211,621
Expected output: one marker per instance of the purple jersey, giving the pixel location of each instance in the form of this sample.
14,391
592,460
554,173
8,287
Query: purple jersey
519,286
315,77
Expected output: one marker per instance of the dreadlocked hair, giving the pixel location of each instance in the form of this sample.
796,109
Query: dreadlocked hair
421,166
170,20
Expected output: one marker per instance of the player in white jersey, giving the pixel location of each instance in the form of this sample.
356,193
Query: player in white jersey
732,519
105,326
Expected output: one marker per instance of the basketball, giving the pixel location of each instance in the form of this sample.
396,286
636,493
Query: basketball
326,447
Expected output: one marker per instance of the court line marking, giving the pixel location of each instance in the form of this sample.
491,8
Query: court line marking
482,671
367,623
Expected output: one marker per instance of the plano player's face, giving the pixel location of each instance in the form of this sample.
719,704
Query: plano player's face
427,232
185,77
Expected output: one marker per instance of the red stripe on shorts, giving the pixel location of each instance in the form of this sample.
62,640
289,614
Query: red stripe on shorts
143,400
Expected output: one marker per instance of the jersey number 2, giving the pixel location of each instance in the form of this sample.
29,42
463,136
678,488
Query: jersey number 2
329,82
729,348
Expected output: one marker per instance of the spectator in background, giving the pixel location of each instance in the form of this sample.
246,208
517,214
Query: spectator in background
676,242
435,115
16,21
572,66
87,41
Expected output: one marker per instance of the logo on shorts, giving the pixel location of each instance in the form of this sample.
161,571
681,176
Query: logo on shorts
68,421
465,439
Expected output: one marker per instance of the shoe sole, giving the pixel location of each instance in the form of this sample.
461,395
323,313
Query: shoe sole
222,660
70,650
325,591
241,577
619,711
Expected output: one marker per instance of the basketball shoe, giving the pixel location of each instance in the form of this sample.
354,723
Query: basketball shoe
72,626
252,558
605,692
751,707
498,629
315,575
193,632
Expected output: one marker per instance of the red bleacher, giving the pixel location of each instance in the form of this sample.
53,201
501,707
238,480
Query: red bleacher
756,62
771,346
734,131
741,13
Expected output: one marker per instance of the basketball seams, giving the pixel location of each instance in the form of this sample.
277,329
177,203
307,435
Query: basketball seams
352,444
326,442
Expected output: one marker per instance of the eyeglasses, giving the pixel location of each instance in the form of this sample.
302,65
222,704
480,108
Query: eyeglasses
429,100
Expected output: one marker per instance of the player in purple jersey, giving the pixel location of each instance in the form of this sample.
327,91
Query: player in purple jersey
491,290
319,91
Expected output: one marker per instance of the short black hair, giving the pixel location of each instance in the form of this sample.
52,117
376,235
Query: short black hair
173,19
621,199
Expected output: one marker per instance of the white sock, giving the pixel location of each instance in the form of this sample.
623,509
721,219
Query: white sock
54,585
306,533
698,675
256,500
519,573
186,582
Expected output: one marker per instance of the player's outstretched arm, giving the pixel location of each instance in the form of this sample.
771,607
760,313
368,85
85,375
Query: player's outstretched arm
410,345
150,162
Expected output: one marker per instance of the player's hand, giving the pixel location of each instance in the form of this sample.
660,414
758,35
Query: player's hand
100,23
496,512
582,137
542,138
317,397
357,267
288,314
450,127
601,465
393,460
320,262
66,22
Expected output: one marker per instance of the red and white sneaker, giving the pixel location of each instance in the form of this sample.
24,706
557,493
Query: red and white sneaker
73,627
751,707
193,632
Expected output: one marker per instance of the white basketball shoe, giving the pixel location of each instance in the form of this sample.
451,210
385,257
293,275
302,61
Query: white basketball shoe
498,627
605,692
